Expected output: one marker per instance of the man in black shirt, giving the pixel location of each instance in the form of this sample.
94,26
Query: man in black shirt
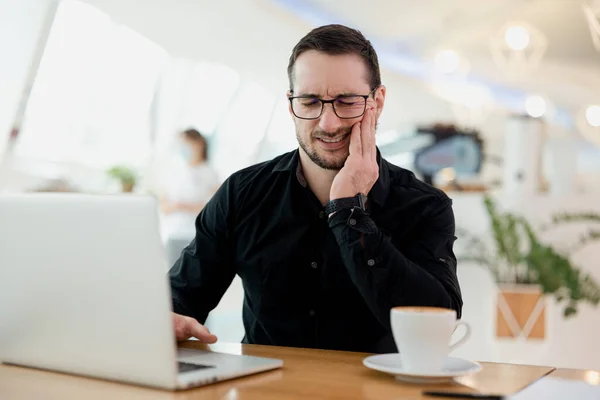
326,238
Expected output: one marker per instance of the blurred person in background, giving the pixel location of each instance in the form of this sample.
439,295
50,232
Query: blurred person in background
185,190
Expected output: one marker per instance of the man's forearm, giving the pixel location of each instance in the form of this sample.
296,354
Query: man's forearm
384,276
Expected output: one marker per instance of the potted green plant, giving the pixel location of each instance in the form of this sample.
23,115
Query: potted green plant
125,175
526,270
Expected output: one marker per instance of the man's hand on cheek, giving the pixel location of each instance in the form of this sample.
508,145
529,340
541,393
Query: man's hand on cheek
360,172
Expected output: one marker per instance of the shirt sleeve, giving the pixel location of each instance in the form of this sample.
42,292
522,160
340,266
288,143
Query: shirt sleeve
387,278
205,269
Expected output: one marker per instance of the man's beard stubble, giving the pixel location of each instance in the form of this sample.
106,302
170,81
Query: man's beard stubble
316,158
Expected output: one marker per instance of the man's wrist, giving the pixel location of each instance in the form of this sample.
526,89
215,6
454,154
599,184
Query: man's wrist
345,203
338,196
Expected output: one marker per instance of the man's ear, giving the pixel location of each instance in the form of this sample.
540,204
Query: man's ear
380,99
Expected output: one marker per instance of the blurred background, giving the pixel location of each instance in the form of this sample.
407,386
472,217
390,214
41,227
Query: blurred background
485,100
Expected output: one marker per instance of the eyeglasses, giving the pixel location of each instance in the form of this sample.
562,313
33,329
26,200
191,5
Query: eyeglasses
345,106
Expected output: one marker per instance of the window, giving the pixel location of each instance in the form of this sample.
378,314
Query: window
105,95
91,97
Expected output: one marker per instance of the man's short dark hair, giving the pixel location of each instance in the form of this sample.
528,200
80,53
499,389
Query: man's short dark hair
334,40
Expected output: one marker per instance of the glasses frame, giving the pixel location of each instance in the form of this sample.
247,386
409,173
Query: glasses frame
323,102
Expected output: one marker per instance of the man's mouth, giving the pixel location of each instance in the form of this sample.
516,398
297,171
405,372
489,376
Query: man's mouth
336,139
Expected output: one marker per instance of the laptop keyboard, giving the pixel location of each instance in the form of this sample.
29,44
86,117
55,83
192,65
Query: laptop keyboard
187,367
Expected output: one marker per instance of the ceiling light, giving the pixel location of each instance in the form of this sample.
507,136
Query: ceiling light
535,106
517,37
447,61
592,115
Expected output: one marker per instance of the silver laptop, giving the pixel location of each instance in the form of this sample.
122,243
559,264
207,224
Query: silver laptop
84,290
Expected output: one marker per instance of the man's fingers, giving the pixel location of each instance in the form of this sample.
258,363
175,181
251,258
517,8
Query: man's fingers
200,332
365,133
374,117
186,327
372,148
180,327
355,147
371,103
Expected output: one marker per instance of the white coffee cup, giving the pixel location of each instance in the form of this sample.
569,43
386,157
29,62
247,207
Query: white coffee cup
422,335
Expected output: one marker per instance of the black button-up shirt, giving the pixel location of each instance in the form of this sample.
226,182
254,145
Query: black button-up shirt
313,282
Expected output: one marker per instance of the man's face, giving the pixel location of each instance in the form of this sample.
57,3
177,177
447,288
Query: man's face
325,140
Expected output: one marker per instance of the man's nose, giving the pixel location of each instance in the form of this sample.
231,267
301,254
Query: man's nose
329,121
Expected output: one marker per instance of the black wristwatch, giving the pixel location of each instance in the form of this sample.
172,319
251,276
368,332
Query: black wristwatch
345,203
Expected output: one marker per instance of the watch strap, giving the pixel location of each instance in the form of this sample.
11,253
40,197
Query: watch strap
345,203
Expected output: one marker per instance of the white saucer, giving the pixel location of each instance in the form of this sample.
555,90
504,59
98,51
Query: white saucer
391,363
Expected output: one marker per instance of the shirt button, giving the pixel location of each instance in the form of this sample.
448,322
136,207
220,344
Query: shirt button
314,264
370,262
322,214
311,313
352,221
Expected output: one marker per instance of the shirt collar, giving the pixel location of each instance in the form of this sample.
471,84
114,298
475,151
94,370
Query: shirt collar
379,191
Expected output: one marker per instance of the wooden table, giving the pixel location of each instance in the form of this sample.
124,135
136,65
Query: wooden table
307,374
